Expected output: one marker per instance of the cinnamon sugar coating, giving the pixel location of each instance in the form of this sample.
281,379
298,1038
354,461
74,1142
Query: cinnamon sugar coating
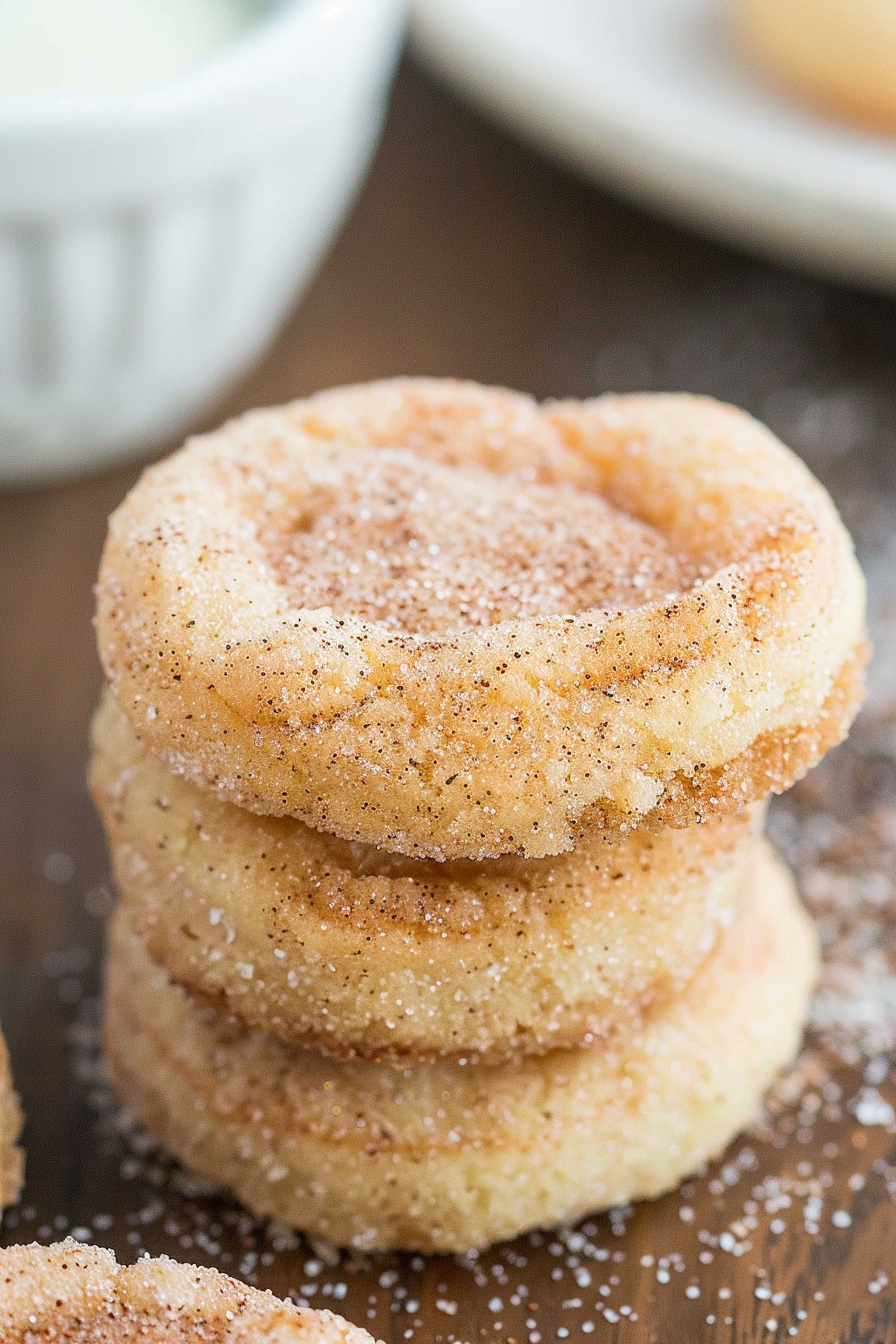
354,951
11,1159
426,549
444,1157
74,1294
438,618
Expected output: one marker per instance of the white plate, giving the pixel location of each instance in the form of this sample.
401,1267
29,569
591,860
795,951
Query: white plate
654,97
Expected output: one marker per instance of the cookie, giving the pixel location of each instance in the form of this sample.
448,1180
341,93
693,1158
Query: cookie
11,1159
445,1157
443,620
80,1295
354,951
836,54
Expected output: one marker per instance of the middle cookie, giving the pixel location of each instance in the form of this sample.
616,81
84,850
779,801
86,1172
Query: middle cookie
354,951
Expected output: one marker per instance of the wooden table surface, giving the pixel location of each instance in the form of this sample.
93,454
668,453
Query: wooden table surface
469,254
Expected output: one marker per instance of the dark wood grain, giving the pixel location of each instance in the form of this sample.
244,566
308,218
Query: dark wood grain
467,254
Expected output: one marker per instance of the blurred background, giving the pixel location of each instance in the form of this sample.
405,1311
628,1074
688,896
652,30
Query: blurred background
623,215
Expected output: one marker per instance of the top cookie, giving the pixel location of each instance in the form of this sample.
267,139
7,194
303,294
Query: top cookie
442,619
79,1295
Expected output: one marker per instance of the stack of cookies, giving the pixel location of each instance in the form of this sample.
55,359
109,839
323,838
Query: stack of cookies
433,760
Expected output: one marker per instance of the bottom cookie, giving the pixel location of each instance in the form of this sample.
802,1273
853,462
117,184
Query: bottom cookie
447,1157
79,1294
11,1159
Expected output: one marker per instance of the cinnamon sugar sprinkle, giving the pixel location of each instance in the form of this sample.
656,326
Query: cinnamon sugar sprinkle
426,549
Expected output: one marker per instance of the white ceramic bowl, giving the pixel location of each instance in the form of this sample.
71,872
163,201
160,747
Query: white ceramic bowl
151,243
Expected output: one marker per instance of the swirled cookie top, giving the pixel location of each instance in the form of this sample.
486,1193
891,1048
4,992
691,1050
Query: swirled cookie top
432,549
